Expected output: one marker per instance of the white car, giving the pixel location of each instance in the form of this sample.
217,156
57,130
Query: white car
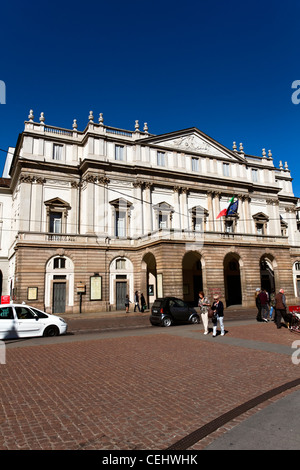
23,321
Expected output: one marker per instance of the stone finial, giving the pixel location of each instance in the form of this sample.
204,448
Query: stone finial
31,116
280,165
137,126
91,117
74,124
42,119
269,154
241,148
286,166
101,119
264,153
234,146
145,127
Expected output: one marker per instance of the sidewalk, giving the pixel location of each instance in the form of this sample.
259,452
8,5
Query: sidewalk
119,319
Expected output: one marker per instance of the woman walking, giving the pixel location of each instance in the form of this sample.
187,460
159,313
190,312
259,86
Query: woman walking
203,303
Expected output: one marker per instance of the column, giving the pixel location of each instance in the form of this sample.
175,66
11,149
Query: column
177,214
147,207
185,222
210,211
138,216
216,203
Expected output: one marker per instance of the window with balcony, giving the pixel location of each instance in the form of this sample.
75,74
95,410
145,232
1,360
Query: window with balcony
261,223
121,217
163,214
198,218
57,215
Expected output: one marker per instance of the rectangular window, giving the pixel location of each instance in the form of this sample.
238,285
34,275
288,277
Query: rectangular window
254,176
57,152
229,226
120,263
197,224
161,158
260,229
55,222
195,164
162,220
225,169
120,224
119,152
59,263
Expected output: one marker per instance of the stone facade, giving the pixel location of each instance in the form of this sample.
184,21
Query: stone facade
103,212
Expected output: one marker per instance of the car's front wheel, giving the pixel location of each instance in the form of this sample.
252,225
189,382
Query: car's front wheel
167,321
51,330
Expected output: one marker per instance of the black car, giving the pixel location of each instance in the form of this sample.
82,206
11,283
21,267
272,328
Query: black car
169,310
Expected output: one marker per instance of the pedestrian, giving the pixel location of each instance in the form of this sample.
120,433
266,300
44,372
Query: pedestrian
264,299
280,308
272,305
127,302
143,302
258,304
218,309
203,304
136,301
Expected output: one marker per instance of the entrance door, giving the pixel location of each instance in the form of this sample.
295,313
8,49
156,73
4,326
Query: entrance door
121,288
59,297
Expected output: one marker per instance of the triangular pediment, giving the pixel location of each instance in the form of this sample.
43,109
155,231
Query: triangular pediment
57,202
194,141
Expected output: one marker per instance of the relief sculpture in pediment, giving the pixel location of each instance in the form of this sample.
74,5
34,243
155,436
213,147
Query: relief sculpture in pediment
196,144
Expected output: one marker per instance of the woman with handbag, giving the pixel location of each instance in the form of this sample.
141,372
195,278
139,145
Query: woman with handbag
203,303
218,309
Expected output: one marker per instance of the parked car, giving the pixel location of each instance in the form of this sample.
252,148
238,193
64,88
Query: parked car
169,310
22,321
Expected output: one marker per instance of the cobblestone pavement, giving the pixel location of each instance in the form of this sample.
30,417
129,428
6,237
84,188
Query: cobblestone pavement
141,388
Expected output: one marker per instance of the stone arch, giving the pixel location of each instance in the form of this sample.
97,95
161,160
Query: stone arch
151,285
232,264
59,283
121,281
192,276
268,272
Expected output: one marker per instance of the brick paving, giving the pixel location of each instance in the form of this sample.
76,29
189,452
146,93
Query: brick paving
141,391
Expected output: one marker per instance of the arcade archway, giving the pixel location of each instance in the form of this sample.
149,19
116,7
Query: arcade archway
192,277
232,280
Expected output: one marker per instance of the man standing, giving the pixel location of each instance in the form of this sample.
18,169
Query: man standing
280,307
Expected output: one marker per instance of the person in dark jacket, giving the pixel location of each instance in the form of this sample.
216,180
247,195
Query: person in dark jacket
258,304
264,299
143,302
280,308
218,309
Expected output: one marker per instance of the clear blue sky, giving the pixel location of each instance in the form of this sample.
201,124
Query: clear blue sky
225,67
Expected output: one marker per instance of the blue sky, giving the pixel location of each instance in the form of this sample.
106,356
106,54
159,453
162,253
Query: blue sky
226,67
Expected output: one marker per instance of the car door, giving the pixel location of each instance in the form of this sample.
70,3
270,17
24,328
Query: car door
179,310
8,328
28,324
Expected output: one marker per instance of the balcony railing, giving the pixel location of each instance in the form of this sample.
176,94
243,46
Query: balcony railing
186,236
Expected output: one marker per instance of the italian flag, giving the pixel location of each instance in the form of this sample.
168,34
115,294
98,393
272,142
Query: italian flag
224,211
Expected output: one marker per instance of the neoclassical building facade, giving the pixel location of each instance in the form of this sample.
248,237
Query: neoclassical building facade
100,213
